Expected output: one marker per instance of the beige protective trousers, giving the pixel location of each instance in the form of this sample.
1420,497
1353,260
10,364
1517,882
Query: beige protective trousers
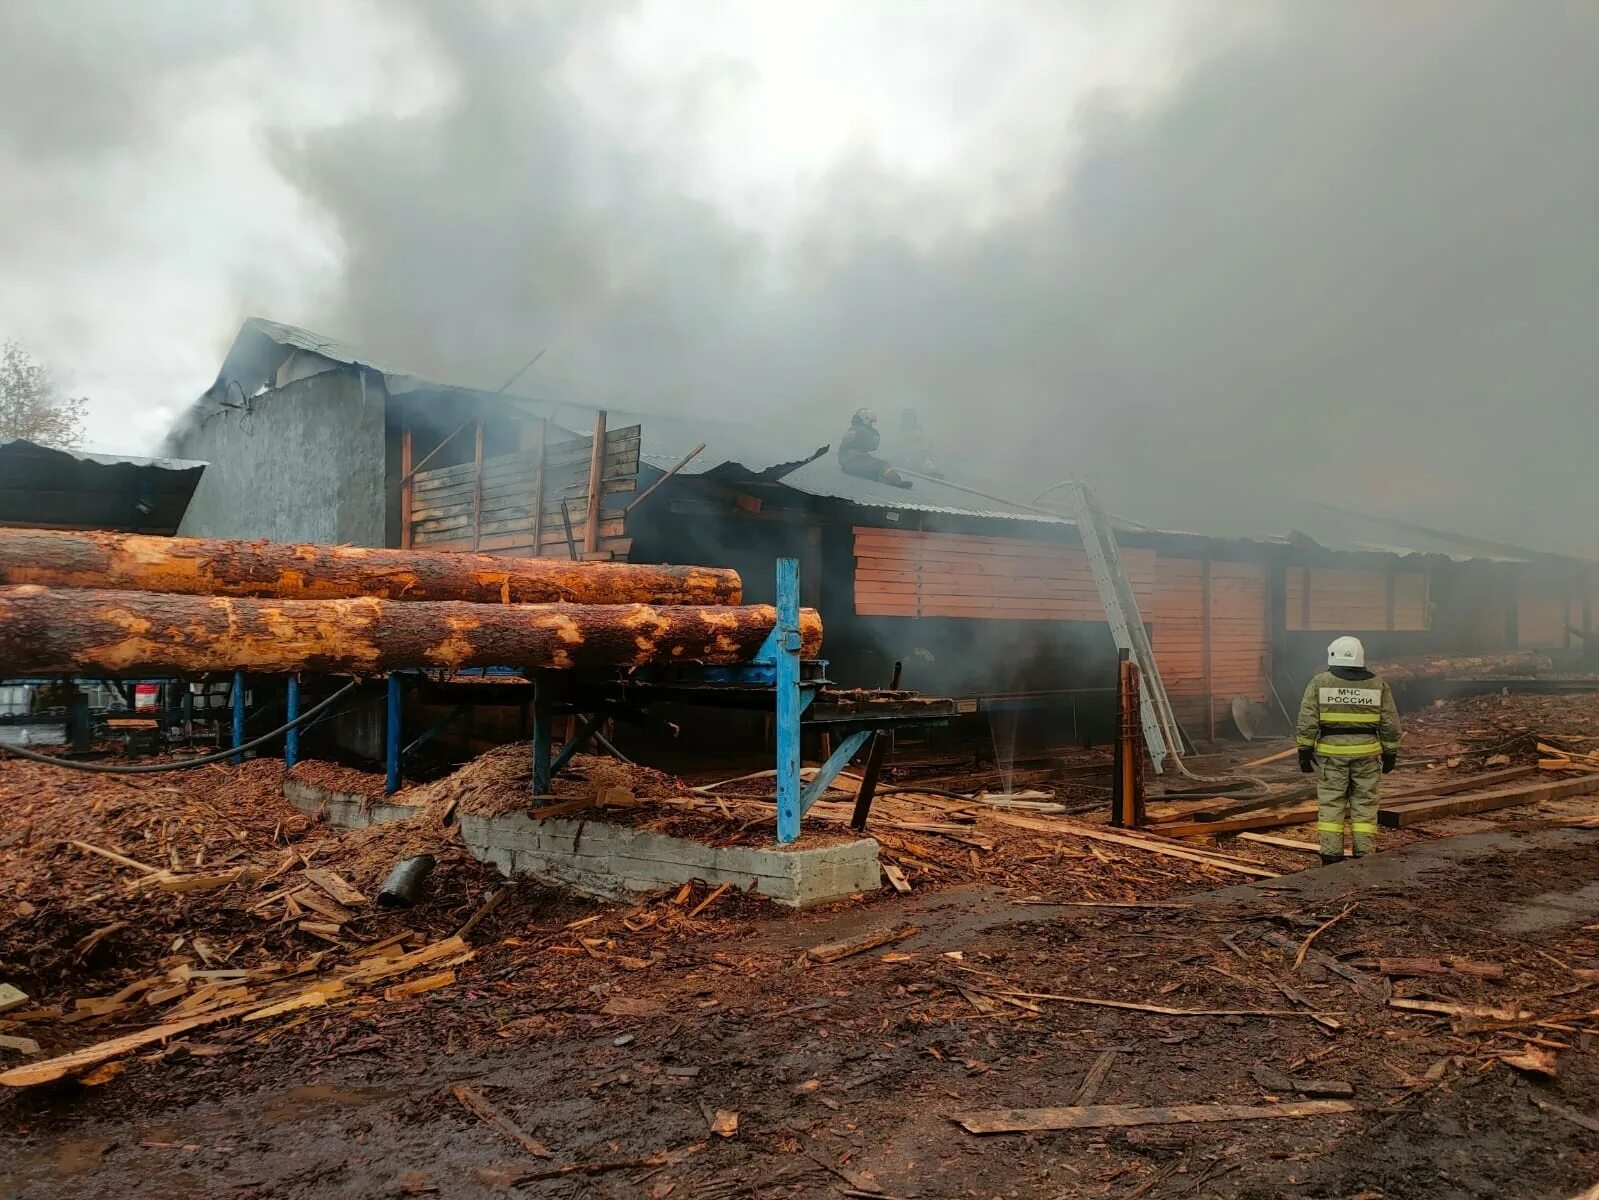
1346,790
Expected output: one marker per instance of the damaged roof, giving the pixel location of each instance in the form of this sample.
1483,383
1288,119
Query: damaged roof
46,487
823,477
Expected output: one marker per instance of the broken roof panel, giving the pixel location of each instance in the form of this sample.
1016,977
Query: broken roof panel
42,486
823,477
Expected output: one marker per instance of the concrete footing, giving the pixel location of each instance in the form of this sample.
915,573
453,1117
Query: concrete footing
597,858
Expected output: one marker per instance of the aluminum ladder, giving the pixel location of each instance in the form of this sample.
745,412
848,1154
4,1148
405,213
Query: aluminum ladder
1162,735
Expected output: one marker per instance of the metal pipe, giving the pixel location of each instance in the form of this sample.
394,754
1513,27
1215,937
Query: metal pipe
291,740
391,737
238,715
404,884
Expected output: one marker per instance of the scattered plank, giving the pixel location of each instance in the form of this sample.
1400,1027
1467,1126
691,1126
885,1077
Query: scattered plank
1401,967
83,1060
493,901
22,1045
1161,1010
1366,986
1270,758
1304,946
1328,1023
11,997
833,952
1260,819
121,859
1102,1116
1567,1114
418,987
1481,1012
1276,1081
495,1118
1427,790
716,895
1094,1080
896,878
1533,1060
1282,843
1476,802
334,885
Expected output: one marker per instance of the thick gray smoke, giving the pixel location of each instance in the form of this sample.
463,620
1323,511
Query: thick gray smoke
1353,256
1354,260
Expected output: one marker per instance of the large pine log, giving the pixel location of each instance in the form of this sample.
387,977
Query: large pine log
57,631
285,570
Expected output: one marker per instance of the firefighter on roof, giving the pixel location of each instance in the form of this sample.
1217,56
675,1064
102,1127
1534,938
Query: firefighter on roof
1349,736
857,452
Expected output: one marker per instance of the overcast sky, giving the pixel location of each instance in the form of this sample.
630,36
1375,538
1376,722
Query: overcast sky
1226,258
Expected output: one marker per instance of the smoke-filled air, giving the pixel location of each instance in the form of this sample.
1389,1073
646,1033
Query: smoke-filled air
1226,260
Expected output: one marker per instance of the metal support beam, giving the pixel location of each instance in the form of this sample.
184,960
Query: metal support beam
579,737
786,645
238,716
543,706
828,771
432,731
874,766
291,740
391,738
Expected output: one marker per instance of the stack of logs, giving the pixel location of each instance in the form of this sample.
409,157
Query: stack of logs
110,604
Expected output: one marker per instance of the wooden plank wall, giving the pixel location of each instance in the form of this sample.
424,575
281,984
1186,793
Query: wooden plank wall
511,504
1545,607
906,573
1356,601
1204,668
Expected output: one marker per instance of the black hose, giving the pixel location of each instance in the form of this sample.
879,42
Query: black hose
184,764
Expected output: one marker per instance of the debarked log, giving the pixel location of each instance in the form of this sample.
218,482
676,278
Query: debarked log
58,631
292,571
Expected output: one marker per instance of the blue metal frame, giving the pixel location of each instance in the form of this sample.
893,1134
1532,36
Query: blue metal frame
391,738
828,771
238,716
291,705
784,643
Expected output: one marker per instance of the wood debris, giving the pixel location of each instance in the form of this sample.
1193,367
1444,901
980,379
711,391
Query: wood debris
479,1105
1103,1116
833,952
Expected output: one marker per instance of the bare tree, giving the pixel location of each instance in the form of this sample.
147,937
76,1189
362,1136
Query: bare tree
30,406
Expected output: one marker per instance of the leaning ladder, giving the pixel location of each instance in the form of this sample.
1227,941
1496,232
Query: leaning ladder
1162,734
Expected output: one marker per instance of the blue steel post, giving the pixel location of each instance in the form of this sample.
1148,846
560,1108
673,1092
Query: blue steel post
788,701
391,738
543,701
291,740
238,715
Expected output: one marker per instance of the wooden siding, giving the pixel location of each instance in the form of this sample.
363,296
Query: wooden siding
1356,601
905,573
512,504
1544,610
1229,597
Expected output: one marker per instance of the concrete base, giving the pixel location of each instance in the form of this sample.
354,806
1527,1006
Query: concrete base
609,861
343,810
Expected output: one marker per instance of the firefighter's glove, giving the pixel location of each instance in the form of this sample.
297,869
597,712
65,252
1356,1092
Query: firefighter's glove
1307,760
1390,760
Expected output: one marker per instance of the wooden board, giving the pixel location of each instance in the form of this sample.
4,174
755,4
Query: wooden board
1102,1116
1418,811
1328,598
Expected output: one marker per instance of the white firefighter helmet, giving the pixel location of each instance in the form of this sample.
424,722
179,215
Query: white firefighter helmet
864,416
1346,652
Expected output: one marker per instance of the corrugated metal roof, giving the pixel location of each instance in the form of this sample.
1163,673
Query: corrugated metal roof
824,477
46,486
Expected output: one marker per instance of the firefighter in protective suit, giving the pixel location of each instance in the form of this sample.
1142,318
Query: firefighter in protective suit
1348,734
857,452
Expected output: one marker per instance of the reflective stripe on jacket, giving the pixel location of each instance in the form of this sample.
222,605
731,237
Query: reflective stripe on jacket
1348,716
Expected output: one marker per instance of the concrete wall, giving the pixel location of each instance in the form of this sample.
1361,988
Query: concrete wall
304,463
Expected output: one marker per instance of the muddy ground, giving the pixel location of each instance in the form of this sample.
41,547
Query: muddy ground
844,1077
687,1045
